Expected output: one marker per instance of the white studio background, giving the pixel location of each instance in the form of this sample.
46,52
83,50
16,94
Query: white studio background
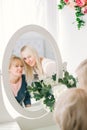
15,14
72,42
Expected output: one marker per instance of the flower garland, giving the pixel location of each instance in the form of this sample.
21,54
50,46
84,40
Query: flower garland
42,89
80,7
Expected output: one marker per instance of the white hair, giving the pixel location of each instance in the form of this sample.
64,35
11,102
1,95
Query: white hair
71,110
81,72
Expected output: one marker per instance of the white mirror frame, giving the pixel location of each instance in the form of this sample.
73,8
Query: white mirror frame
8,52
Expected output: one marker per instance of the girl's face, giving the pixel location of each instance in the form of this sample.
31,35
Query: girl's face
16,68
28,58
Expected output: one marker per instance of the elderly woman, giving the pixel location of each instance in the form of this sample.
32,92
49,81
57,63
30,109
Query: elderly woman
17,81
71,110
81,72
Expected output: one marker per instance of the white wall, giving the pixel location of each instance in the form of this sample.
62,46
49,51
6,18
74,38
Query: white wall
72,42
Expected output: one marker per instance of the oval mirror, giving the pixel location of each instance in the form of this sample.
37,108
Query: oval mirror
46,48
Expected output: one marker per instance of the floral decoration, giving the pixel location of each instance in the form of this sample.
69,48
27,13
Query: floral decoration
42,89
80,7
68,80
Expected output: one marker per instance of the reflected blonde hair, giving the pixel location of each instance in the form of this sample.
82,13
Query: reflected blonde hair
13,59
81,72
29,69
71,110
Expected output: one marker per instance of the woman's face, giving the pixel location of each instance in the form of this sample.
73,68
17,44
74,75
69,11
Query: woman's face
28,58
16,68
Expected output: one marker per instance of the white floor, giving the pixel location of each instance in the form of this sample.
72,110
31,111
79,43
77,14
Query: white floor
9,126
53,127
15,126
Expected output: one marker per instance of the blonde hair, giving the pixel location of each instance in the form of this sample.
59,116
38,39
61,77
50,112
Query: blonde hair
29,69
71,110
13,59
81,72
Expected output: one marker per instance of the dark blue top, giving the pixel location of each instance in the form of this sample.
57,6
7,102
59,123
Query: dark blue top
23,95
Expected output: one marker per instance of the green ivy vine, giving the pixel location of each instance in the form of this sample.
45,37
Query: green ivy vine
43,90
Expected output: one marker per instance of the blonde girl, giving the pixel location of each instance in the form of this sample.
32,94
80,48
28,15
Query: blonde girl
34,64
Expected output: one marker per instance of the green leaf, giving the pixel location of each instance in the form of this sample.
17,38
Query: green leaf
38,84
66,80
79,14
60,6
37,96
66,74
77,19
54,77
60,80
77,8
49,101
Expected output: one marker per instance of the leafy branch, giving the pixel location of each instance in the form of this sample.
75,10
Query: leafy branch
78,15
78,12
43,89
68,80
61,5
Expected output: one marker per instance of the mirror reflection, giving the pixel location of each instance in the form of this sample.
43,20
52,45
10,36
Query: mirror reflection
18,82
32,59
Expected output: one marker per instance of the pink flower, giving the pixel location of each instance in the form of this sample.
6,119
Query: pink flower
84,10
72,4
85,1
66,1
80,3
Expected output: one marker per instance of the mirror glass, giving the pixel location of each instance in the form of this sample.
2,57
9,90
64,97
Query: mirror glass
31,49
45,52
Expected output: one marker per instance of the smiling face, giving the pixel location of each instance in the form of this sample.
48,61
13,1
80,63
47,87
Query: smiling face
28,57
16,67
